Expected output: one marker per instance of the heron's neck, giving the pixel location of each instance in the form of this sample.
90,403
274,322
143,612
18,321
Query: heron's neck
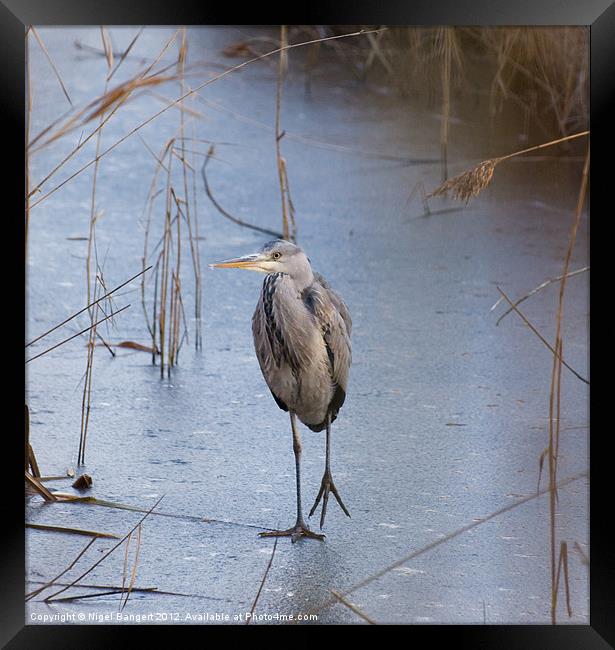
303,278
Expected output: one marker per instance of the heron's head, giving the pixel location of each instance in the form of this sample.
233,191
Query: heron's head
278,256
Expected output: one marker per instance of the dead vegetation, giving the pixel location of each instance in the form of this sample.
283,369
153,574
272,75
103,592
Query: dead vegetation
472,182
125,588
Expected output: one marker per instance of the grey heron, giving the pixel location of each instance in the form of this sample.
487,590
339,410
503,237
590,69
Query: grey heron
301,330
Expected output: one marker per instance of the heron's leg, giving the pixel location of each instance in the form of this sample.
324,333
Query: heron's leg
327,484
300,529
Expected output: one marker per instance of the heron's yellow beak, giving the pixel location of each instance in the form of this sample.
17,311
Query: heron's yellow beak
245,262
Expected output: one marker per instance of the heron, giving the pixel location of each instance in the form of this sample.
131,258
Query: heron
301,329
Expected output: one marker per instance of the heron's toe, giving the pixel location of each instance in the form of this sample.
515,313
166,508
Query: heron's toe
326,487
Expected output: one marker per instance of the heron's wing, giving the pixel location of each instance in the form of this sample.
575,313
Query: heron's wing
337,302
334,319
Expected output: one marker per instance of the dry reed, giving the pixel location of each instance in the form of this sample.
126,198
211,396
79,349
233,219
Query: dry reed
223,211
534,291
541,337
191,213
558,558
472,182
447,50
94,311
555,405
89,500
116,589
288,218
34,593
51,63
133,574
36,486
353,608
87,307
71,531
83,331
262,582
468,184
109,51
87,384
31,465
53,596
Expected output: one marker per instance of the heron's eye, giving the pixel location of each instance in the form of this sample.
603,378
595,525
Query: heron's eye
276,255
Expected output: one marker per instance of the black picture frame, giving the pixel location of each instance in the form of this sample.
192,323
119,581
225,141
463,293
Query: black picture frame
16,14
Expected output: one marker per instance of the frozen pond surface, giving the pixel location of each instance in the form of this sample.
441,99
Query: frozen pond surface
446,414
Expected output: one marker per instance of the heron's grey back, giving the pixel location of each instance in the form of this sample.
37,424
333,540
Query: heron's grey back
334,319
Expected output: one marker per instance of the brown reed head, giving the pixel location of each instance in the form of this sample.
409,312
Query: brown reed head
468,184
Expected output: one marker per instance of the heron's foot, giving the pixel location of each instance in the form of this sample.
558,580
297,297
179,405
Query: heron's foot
295,533
327,486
